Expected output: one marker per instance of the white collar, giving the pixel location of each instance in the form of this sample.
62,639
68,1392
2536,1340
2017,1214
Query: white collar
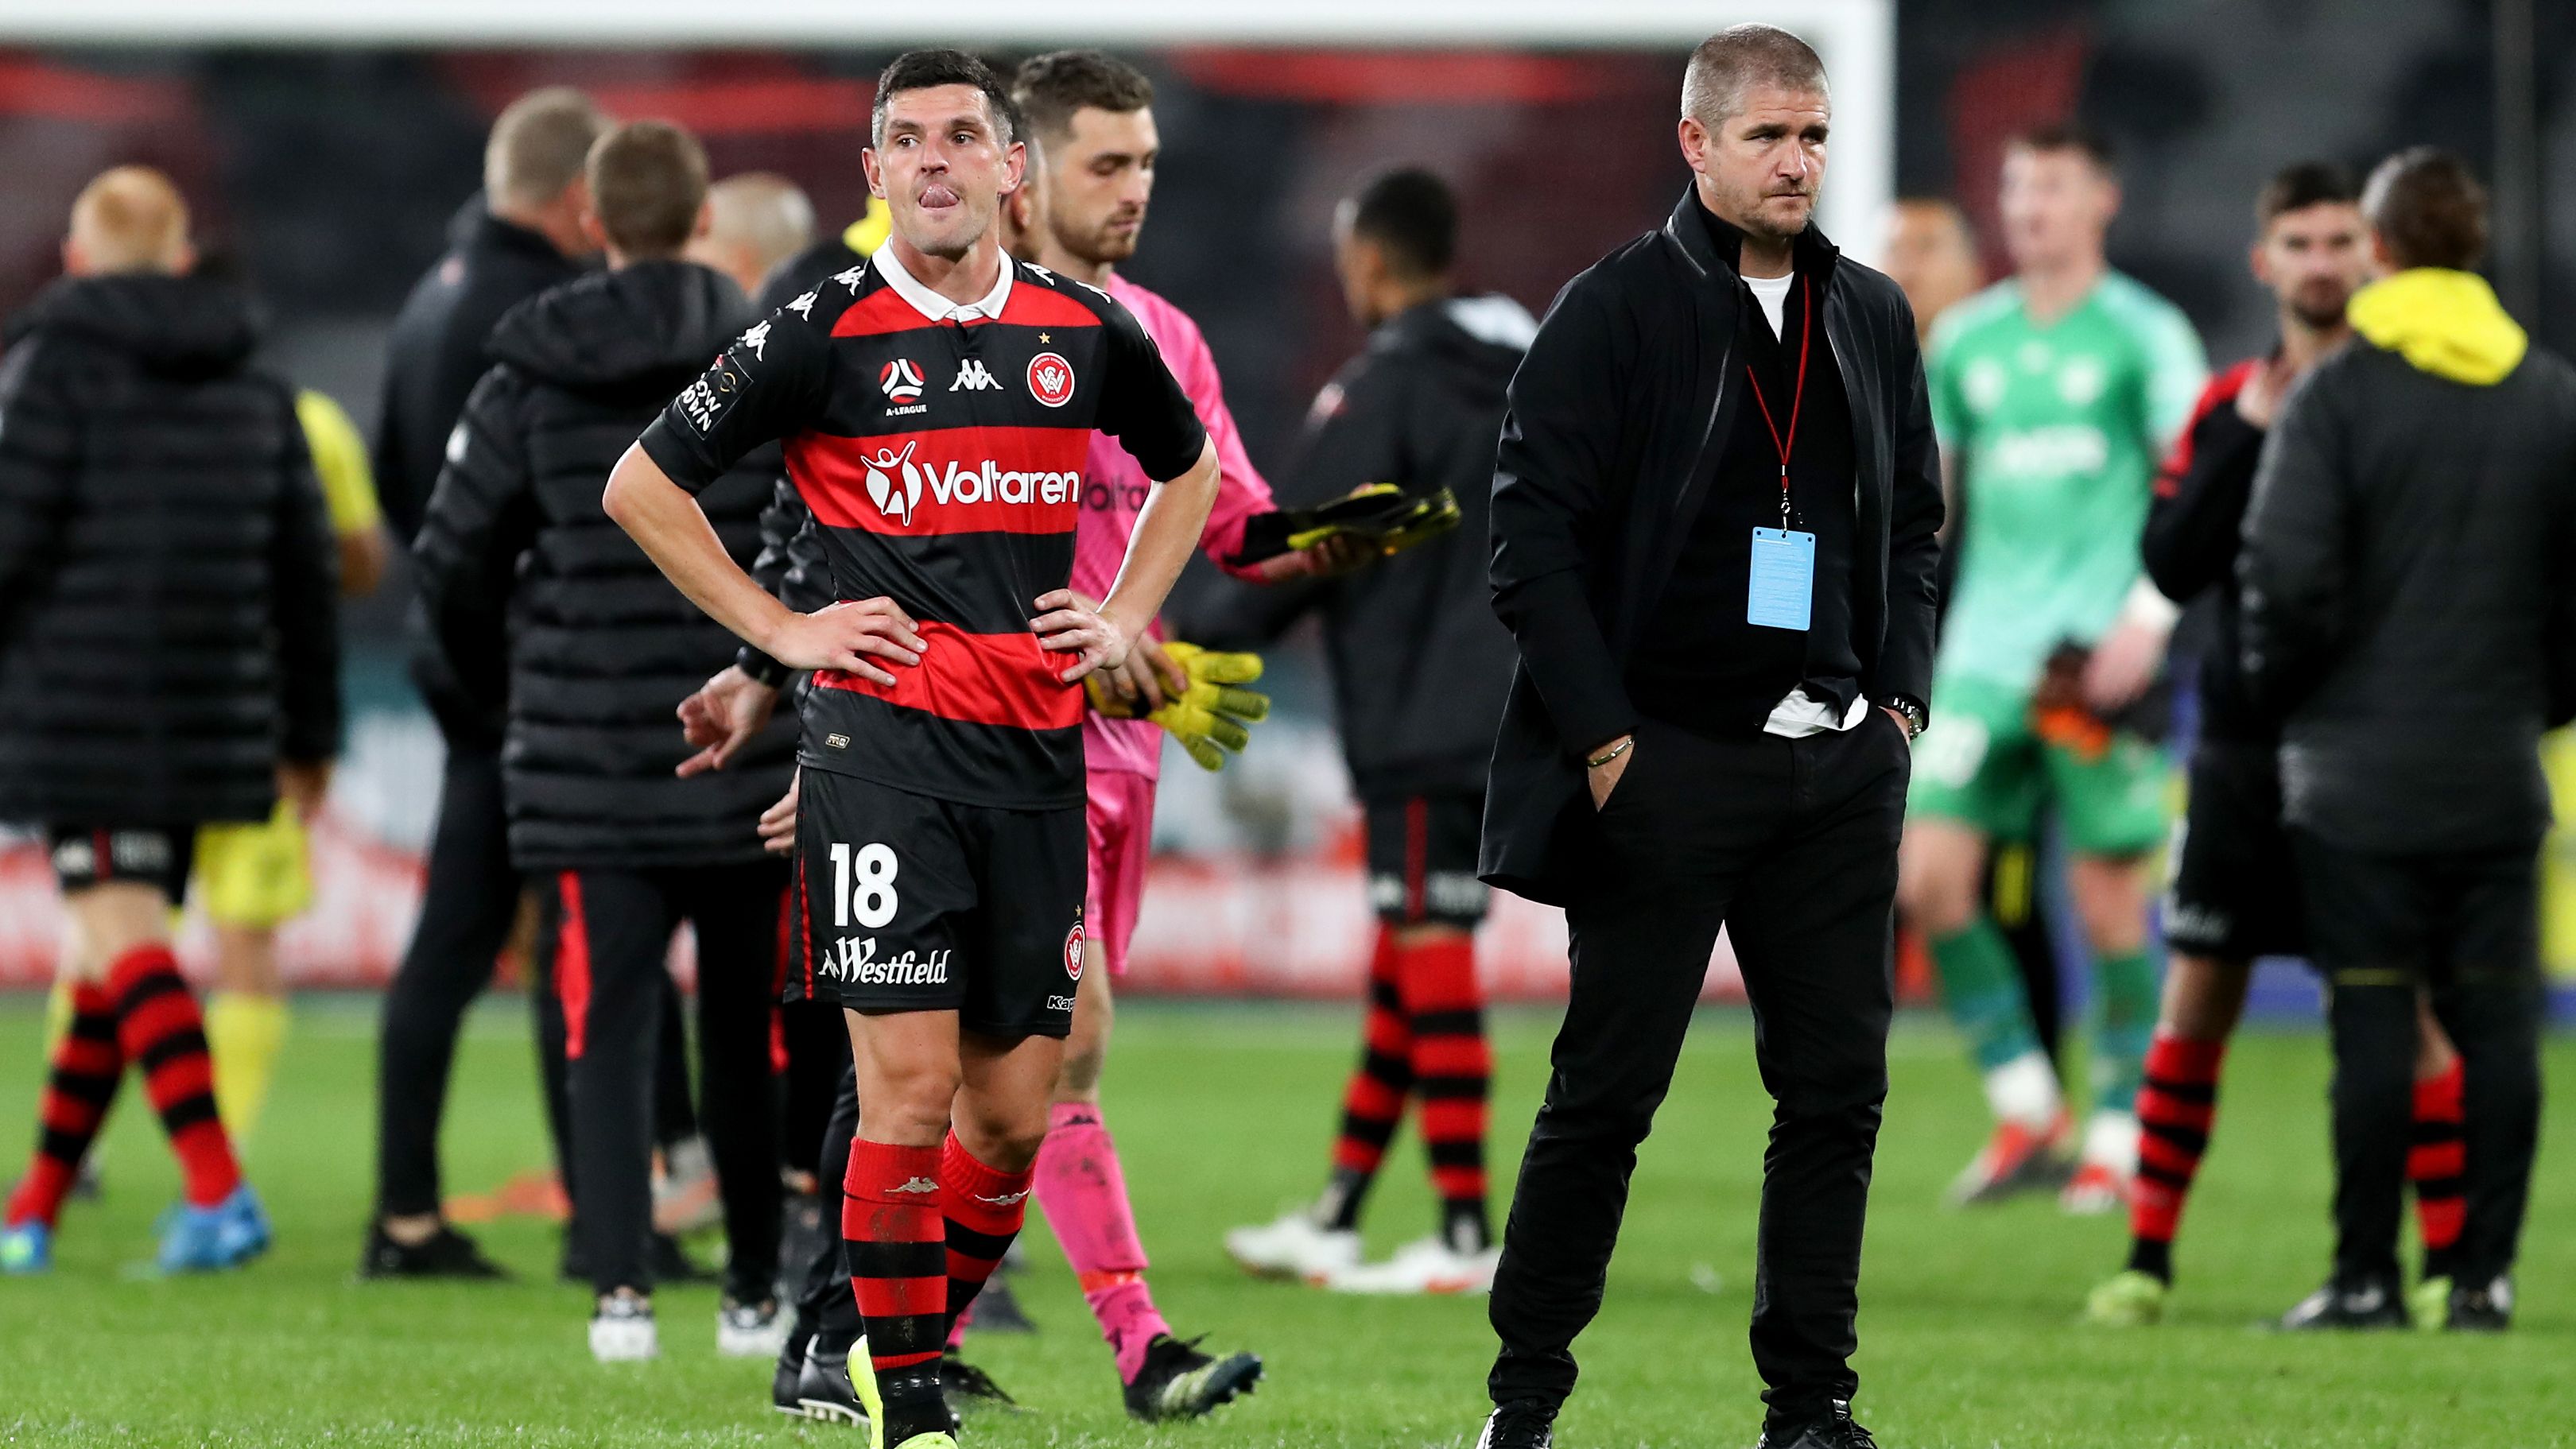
937,308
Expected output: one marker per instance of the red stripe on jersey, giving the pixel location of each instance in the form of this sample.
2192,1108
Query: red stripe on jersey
950,480
993,679
2220,393
1037,307
881,311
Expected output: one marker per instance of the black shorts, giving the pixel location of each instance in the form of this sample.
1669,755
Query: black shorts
153,855
911,903
1422,860
2233,890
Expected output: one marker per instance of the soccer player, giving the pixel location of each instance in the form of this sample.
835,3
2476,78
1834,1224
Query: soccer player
171,660
1420,668
257,877
2233,895
756,222
629,847
940,832
1932,255
2055,392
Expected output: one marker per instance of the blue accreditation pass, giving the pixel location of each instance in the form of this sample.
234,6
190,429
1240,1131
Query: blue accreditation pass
1783,591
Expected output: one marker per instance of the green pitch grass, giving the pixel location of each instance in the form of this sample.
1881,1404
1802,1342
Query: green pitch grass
1223,1114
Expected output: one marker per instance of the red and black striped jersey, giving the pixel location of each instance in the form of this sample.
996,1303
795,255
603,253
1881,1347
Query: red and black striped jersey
941,449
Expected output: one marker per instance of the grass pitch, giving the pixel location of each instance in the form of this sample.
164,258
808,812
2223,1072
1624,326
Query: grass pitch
1223,1114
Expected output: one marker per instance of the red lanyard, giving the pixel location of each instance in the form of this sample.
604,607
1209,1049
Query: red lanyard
1784,444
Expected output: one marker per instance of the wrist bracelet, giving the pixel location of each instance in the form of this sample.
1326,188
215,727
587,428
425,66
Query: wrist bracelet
1612,753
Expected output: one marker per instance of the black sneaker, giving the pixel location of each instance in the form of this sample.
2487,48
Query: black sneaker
2370,1303
970,1388
446,1253
1176,1381
997,1309
1520,1424
2482,1310
1834,1431
784,1378
824,1391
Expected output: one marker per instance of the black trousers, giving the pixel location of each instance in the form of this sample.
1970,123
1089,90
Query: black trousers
2468,927
605,935
825,1305
1791,845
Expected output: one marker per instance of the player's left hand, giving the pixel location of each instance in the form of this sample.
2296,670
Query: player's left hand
1068,623
722,717
2123,665
303,784
778,822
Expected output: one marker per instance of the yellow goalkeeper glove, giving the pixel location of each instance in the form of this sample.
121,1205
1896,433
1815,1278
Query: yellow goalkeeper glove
1381,516
1210,716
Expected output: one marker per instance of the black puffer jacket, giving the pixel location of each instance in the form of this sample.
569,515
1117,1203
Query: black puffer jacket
169,625
537,598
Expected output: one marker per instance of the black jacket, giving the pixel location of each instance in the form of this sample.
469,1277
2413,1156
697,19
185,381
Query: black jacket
541,601
2195,526
169,600
1633,376
1419,663
2409,601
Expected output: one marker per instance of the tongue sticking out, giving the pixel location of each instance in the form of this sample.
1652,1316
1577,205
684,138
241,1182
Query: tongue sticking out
936,195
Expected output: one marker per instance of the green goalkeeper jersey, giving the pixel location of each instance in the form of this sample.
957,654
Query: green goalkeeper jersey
2054,431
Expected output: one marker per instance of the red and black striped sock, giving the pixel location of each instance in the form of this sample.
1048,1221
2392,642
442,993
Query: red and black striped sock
894,1241
985,1207
1453,1072
78,1092
2176,1104
2437,1163
158,1026
1373,1103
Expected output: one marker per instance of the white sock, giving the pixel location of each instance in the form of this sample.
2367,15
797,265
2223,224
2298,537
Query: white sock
2111,1139
2024,1090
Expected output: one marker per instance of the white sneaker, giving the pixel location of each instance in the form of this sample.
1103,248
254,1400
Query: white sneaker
1425,1266
750,1330
1295,1246
621,1331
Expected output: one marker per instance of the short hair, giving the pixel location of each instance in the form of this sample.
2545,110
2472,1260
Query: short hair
2303,184
1049,88
764,213
921,70
2057,137
130,219
539,146
2427,209
1740,57
1413,216
648,180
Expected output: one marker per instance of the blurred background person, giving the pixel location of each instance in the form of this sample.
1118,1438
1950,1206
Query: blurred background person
1932,254
2055,393
169,645
2410,617
524,237
755,221
603,652
1419,668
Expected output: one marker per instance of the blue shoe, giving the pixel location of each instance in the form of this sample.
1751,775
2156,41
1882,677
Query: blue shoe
26,1248
209,1240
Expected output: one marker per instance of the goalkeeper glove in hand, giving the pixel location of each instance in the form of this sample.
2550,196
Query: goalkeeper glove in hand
1384,517
1210,716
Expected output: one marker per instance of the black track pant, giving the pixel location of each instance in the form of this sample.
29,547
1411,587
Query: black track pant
606,935
1791,845
825,1306
2380,928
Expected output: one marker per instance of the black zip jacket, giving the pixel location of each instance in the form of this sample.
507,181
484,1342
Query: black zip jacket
1633,382
2409,605
1419,663
2194,527
543,603
169,600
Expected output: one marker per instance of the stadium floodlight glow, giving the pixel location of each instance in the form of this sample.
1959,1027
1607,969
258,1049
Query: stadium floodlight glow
1857,39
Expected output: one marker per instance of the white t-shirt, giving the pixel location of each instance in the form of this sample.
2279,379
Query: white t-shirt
1797,716
1773,294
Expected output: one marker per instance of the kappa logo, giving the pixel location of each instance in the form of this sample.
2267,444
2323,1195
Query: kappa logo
973,376
1051,379
850,278
902,381
757,339
899,506
804,306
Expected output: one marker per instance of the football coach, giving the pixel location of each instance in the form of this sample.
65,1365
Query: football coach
1713,519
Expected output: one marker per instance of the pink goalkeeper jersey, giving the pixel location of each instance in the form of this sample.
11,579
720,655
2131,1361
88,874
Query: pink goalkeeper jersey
1114,492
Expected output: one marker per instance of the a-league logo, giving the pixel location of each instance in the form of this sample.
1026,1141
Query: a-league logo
1073,950
1051,379
901,381
894,503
